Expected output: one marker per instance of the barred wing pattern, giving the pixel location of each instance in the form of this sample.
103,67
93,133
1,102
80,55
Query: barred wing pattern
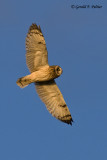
36,52
54,101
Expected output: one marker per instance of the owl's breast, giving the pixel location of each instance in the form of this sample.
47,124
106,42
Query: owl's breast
45,73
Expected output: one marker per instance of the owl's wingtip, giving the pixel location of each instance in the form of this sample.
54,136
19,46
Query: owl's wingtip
34,27
71,122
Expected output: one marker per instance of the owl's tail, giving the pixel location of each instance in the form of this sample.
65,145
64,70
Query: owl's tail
24,81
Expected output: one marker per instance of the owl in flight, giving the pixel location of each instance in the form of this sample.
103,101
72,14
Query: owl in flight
43,75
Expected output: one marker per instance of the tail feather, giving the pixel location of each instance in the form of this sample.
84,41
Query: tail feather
23,82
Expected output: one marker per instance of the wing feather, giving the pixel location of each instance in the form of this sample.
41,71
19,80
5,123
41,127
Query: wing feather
54,101
36,51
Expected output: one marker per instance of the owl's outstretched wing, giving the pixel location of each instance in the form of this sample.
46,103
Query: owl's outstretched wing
50,94
36,52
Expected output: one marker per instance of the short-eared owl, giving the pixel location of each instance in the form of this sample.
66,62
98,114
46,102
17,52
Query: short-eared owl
43,75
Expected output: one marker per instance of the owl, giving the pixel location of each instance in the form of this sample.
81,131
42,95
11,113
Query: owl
43,75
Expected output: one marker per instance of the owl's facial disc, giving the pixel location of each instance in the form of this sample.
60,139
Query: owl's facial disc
58,70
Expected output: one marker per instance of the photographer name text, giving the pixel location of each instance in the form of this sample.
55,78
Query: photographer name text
86,6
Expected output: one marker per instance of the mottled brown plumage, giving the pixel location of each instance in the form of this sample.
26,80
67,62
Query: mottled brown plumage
43,75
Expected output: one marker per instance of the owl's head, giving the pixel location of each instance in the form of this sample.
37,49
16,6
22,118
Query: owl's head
58,70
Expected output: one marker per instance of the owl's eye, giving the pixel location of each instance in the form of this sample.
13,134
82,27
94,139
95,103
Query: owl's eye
58,69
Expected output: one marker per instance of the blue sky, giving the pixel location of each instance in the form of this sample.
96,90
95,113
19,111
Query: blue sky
77,41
